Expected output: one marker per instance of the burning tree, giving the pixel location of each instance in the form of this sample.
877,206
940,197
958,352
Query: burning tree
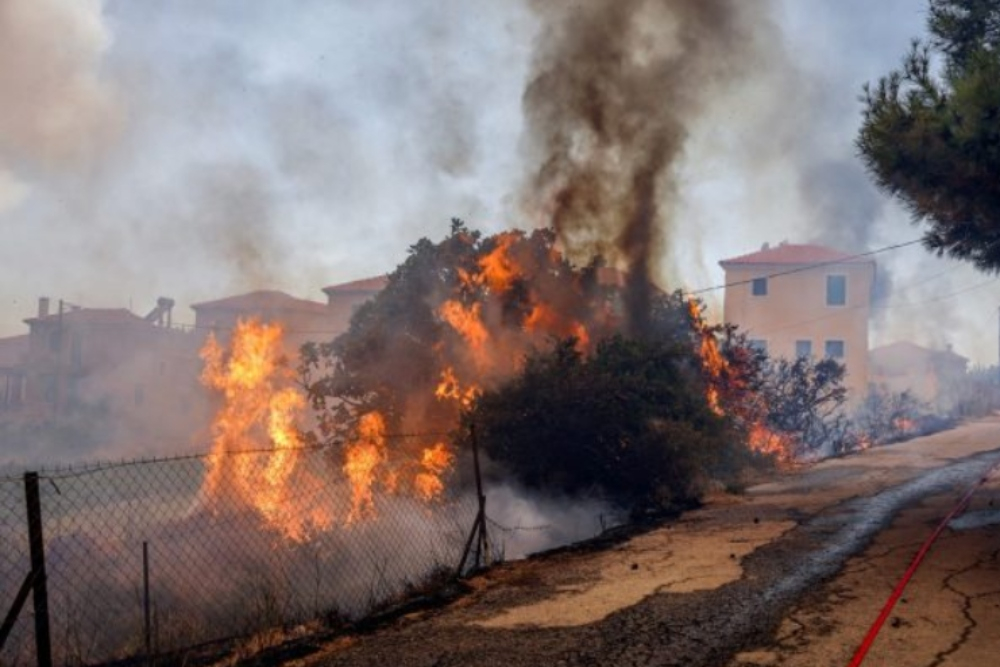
454,317
477,324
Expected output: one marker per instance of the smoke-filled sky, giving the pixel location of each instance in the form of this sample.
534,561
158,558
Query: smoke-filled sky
200,148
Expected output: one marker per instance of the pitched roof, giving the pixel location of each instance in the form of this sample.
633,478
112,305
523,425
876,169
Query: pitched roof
796,254
375,284
262,300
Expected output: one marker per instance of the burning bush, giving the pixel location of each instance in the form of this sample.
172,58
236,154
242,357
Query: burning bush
456,316
629,423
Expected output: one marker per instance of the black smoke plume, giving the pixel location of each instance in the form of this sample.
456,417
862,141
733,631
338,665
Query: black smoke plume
613,89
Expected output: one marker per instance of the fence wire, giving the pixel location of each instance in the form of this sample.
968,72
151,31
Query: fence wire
219,565
15,565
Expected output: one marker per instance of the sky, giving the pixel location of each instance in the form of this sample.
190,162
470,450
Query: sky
197,149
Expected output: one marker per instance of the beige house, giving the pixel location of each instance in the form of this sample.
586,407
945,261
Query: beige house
804,300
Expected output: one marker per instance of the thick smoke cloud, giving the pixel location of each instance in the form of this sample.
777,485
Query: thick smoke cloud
613,91
57,108
202,149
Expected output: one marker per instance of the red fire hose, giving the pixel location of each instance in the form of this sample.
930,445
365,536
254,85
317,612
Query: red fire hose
873,631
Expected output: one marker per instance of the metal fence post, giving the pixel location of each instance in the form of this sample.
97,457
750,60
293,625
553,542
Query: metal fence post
478,537
36,543
147,626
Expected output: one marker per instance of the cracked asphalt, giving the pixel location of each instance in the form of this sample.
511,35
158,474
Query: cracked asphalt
792,573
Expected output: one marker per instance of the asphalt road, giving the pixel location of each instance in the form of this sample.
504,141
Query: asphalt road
792,573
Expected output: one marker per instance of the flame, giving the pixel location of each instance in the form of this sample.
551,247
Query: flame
760,438
765,441
363,459
259,411
498,269
434,462
712,360
449,388
467,321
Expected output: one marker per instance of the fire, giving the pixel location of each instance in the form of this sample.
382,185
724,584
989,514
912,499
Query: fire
435,461
766,441
368,464
545,319
258,462
450,389
363,459
717,371
712,360
467,321
259,411
498,269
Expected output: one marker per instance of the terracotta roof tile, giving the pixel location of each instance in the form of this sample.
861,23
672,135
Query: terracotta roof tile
794,253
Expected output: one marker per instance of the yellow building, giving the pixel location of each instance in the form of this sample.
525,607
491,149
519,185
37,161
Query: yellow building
804,300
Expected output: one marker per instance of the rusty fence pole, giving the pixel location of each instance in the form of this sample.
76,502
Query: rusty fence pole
36,544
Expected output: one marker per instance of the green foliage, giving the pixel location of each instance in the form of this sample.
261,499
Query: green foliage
931,135
629,423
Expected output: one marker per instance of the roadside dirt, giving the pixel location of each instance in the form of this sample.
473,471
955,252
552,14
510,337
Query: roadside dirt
791,573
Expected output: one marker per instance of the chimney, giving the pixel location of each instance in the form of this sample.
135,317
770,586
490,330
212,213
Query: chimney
43,306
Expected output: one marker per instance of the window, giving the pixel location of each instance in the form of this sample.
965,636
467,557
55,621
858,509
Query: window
759,287
835,349
803,348
836,290
758,344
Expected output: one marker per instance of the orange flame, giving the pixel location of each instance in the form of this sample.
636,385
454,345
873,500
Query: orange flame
760,438
435,461
363,459
498,269
766,441
260,406
450,389
711,358
469,324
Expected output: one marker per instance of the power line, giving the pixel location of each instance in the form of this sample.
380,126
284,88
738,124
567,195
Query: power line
807,267
889,306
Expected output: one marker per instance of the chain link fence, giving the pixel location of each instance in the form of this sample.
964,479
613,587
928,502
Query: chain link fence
151,556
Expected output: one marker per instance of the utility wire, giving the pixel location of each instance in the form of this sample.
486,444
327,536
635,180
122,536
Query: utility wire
807,267
888,306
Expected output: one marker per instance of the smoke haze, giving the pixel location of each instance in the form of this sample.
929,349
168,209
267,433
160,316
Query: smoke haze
199,149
